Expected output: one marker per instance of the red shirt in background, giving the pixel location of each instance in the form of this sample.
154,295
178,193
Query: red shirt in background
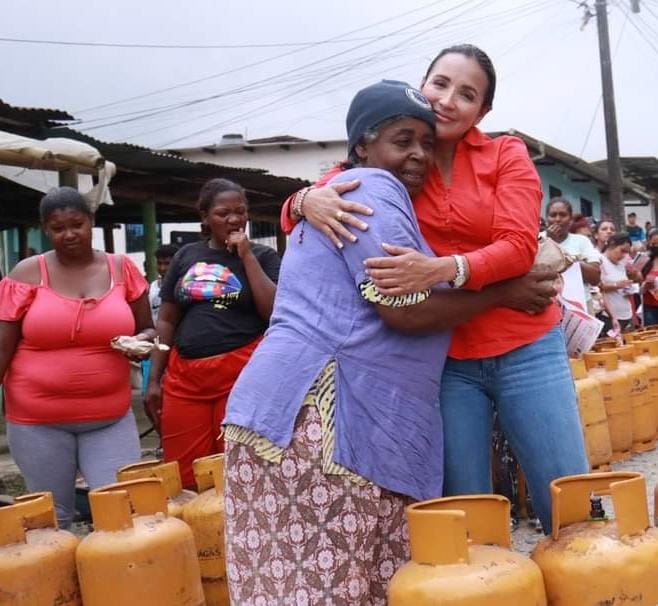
489,213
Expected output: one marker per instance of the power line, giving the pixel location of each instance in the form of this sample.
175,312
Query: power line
218,125
274,77
261,62
513,14
184,46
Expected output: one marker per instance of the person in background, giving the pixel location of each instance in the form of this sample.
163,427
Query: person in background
581,225
217,298
559,215
650,281
163,256
67,391
647,228
634,231
602,231
479,210
615,283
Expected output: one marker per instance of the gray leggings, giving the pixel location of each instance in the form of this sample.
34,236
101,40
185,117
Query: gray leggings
49,456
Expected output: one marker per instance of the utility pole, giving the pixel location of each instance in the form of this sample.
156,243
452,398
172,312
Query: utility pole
615,203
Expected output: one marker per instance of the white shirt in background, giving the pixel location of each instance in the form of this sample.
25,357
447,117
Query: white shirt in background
617,300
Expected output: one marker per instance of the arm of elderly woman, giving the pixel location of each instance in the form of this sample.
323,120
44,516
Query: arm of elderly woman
447,308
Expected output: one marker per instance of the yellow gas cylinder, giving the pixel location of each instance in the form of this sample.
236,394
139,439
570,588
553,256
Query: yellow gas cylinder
145,559
37,561
646,351
644,415
461,556
593,416
169,473
205,515
616,387
591,560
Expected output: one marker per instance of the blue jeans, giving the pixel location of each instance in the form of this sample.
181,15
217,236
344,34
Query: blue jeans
533,392
650,315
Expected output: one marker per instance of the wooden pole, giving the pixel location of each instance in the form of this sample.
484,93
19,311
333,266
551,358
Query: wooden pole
68,178
150,239
108,237
615,204
22,242
281,240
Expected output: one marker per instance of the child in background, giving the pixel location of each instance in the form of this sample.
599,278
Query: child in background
163,257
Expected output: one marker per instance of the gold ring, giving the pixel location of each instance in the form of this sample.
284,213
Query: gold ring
339,215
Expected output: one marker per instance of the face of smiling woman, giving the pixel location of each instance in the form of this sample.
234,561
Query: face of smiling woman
403,148
456,87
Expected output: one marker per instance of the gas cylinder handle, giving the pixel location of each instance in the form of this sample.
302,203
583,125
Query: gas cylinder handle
209,472
485,520
112,506
168,472
31,511
570,500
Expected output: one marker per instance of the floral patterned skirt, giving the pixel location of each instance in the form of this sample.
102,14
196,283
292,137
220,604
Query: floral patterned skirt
296,536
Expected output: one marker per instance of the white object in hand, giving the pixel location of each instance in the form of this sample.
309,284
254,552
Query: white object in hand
135,347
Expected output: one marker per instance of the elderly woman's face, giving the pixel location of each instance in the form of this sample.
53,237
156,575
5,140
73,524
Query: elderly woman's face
404,148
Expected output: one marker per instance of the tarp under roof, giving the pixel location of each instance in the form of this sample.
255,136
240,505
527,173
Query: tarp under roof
59,154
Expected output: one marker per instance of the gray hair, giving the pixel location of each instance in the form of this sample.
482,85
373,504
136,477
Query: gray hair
370,136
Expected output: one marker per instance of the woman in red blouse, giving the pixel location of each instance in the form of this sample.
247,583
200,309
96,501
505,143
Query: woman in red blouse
480,212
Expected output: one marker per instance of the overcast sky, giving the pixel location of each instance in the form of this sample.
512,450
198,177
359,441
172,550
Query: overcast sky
292,67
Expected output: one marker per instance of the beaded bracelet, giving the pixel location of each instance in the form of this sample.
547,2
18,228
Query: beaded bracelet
298,203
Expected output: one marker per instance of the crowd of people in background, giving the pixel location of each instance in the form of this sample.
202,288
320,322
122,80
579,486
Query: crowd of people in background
619,268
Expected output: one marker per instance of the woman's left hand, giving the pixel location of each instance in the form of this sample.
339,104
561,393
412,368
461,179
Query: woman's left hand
238,242
408,271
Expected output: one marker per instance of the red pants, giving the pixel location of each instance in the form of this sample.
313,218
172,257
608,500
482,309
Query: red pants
194,395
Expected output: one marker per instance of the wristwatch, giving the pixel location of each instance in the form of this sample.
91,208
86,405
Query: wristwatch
460,276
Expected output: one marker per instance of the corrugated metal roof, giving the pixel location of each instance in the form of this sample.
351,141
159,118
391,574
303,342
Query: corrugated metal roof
641,169
591,170
33,115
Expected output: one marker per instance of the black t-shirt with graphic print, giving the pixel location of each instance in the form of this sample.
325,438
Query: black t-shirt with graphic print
210,287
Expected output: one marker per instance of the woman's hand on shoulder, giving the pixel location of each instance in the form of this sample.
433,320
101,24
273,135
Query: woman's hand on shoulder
325,210
408,271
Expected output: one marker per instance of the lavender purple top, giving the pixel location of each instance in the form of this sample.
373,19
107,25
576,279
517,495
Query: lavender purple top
387,422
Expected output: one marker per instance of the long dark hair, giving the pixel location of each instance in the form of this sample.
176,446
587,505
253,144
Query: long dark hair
617,240
653,252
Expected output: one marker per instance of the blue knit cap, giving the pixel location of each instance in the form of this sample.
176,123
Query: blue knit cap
381,101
